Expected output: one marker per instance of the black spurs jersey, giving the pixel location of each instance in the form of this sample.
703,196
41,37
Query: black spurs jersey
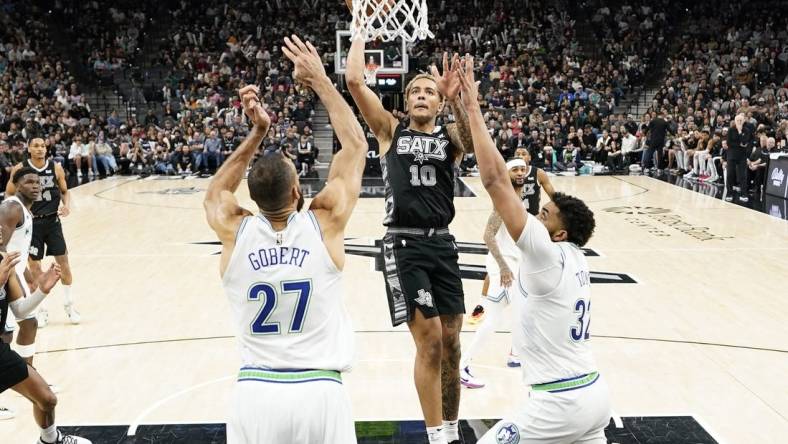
418,172
49,202
532,192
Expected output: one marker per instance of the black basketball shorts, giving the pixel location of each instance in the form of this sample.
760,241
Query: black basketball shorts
421,271
47,231
13,369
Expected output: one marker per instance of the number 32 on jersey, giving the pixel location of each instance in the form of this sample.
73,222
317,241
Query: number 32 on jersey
580,332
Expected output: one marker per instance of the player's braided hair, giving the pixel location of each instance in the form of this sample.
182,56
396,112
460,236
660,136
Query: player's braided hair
577,218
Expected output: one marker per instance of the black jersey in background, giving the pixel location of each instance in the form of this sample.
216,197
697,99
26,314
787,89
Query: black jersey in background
49,202
532,192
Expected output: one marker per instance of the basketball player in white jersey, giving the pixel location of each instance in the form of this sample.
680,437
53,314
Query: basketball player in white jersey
503,257
15,373
16,221
568,401
281,271
530,191
53,203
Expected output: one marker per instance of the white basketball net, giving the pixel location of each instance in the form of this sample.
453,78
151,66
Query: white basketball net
371,76
406,19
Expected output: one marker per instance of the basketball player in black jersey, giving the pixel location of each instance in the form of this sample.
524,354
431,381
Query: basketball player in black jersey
535,180
47,230
422,275
15,373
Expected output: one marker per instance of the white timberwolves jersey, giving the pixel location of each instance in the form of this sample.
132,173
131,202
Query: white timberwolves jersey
509,251
557,322
22,237
285,294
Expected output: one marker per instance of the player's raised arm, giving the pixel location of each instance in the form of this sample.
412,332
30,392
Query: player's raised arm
222,211
380,121
335,203
449,85
545,183
492,168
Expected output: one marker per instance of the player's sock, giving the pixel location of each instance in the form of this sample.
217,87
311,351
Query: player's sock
49,434
67,295
451,430
435,435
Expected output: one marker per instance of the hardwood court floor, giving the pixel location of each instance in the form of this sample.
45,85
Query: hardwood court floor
703,332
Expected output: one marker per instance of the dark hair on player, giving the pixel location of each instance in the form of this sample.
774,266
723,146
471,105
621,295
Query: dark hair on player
270,181
577,218
22,172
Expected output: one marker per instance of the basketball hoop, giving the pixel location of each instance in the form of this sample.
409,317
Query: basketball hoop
371,76
389,20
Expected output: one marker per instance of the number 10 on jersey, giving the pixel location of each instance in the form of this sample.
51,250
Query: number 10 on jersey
423,175
268,294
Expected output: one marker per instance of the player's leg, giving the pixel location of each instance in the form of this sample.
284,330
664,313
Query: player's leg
6,337
450,302
410,300
56,246
34,388
37,245
426,334
26,339
496,300
594,414
66,279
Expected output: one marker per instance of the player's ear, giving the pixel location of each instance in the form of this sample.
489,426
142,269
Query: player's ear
560,236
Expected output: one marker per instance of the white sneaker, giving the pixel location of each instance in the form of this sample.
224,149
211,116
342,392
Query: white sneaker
66,439
513,361
7,413
468,380
43,318
72,313
744,198
728,198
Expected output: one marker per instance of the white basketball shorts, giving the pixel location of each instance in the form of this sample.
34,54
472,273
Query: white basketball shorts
306,406
575,415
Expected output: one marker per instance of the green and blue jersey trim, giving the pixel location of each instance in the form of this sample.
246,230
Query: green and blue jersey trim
565,385
288,376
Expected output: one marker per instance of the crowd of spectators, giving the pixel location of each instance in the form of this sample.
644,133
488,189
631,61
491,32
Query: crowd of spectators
541,90
734,60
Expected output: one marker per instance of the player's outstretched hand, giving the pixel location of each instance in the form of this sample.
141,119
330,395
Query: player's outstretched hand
507,277
308,66
448,82
469,87
48,279
253,107
7,264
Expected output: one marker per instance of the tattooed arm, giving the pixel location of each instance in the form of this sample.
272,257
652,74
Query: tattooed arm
460,130
493,224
